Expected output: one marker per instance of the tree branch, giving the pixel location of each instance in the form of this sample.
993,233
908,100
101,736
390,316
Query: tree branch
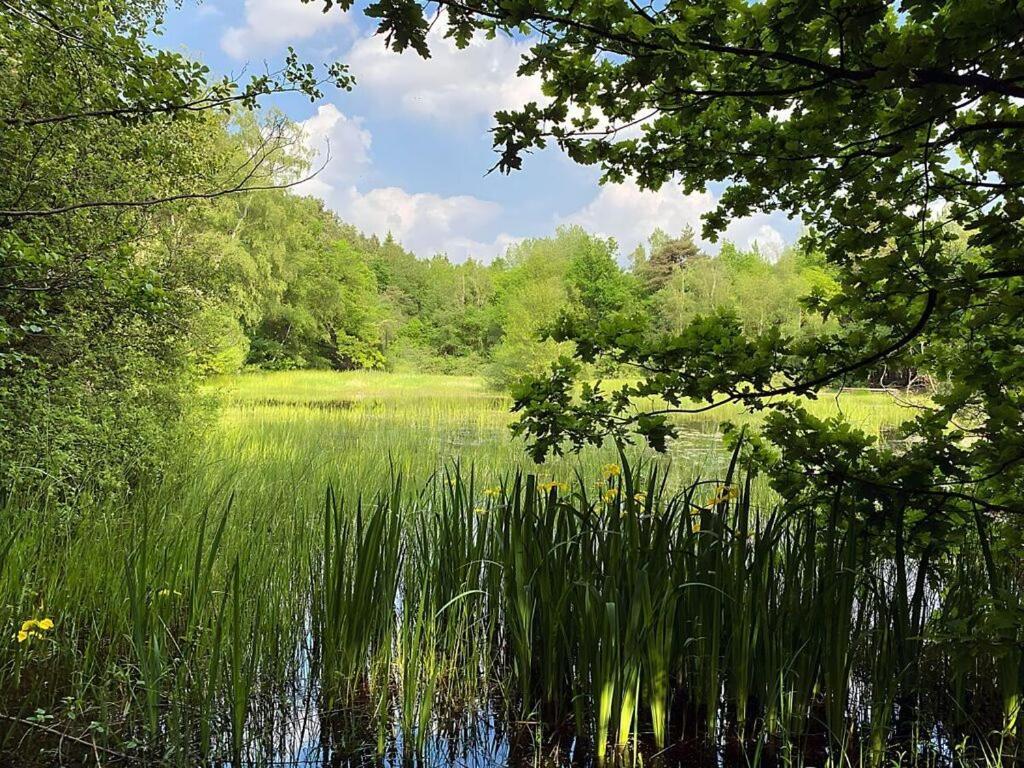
931,302
241,187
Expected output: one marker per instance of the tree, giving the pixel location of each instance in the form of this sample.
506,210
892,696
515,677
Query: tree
596,285
668,255
859,117
107,145
530,295
863,118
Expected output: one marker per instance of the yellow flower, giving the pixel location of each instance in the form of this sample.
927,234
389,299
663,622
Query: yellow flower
168,592
610,495
640,497
480,511
723,493
33,628
696,526
492,491
611,470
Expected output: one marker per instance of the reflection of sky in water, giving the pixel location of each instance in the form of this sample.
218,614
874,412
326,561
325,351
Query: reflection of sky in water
475,744
475,738
358,441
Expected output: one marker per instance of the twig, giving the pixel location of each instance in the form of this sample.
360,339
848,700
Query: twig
65,735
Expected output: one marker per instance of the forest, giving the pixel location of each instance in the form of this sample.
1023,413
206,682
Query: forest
274,281
278,490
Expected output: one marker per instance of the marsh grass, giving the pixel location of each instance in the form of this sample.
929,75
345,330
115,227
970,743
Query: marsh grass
325,584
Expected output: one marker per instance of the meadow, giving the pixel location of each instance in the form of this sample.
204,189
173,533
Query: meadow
364,568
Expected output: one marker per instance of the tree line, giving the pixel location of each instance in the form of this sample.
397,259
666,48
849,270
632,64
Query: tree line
299,288
103,353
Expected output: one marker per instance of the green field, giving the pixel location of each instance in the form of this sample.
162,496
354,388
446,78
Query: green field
356,428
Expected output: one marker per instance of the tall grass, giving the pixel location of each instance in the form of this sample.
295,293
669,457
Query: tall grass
321,585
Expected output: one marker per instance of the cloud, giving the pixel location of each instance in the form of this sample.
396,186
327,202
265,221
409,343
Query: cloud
461,248
452,85
629,214
208,10
424,222
769,242
271,24
331,133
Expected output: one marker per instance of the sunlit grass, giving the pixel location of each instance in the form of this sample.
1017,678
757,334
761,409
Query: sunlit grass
356,429
361,557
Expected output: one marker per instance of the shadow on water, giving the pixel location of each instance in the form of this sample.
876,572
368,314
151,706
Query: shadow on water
294,730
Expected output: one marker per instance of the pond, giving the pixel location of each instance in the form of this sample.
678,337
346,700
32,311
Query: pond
365,569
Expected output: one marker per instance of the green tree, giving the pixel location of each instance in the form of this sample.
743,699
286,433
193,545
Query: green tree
596,285
762,295
530,294
439,312
862,118
106,142
668,256
858,119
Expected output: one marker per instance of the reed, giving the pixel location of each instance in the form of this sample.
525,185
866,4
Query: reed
325,585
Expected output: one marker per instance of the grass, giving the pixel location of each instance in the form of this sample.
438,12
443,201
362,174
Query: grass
364,564
314,422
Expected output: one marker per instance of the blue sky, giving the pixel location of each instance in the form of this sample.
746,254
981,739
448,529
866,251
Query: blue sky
409,146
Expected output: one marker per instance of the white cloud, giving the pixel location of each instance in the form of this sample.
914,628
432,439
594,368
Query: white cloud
332,134
629,214
208,10
463,225
460,248
424,222
271,24
769,242
452,85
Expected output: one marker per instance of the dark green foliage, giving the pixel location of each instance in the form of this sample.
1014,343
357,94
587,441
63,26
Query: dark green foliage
439,316
863,119
668,256
294,289
108,145
90,378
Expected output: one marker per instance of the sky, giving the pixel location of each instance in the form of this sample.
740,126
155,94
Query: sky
409,146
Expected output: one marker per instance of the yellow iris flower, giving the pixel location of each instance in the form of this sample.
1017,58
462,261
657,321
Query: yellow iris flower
723,493
554,485
33,628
